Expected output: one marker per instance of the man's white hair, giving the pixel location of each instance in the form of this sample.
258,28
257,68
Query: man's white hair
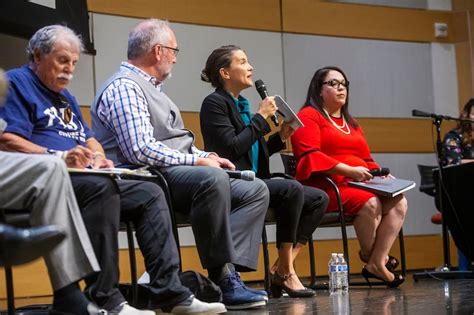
45,38
146,35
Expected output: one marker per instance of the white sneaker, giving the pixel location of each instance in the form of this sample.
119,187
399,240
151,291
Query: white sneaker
196,308
128,310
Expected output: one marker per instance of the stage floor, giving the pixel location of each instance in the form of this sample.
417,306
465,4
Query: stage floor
427,296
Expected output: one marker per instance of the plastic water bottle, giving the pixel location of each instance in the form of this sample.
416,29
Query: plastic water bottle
343,280
332,272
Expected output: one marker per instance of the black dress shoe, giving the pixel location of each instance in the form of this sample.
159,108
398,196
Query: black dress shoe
397,280
19,246
278,285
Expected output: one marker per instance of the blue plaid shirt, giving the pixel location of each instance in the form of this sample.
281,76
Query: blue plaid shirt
123,109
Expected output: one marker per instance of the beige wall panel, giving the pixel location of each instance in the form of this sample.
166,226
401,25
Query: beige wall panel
247,14
362,21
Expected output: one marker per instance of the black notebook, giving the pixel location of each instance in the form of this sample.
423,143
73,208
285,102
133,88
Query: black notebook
385,186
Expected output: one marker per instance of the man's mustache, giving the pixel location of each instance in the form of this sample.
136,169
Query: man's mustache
67,76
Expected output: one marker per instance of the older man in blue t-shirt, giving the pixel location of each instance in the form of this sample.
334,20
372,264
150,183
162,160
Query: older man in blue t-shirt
44,118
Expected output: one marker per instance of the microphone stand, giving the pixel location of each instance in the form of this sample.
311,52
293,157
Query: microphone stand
445,271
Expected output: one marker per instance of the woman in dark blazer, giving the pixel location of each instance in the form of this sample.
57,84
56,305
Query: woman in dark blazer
229,129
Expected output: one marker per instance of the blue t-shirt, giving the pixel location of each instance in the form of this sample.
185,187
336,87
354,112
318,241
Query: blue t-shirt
40,115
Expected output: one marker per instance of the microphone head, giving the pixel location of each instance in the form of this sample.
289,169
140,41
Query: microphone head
261,88
419,113
248,175
384,171
259,84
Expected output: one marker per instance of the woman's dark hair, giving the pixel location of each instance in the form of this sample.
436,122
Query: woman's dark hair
219,58
466,127
315,100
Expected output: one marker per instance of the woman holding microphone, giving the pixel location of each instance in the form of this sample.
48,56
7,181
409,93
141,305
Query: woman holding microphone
229,129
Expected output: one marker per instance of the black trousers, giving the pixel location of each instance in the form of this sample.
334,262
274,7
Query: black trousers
104,202
298,209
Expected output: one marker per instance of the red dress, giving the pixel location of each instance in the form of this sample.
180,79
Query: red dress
319,146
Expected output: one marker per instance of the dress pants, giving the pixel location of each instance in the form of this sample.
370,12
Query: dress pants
226,215
103,201
41,184
298,209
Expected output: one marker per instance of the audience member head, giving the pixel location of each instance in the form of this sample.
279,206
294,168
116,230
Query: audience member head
217,63
53,52
152,46
466,128
329,87
3,87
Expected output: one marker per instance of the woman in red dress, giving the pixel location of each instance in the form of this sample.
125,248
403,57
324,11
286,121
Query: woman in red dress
332,143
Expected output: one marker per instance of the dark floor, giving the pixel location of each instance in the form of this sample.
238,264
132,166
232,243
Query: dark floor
427,296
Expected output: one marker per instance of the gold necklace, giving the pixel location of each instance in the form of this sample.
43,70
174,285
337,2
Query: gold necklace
342,127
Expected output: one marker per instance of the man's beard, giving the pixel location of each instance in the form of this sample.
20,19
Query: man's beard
167,75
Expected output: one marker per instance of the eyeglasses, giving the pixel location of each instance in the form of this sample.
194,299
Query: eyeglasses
175,50
67,113
335,84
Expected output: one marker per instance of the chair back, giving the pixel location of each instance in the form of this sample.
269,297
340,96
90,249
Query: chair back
427,184
289,163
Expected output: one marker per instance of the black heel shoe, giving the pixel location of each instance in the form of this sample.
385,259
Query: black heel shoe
278,286
276,290
391,284
391,265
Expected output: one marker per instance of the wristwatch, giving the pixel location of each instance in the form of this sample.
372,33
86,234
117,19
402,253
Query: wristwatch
55,153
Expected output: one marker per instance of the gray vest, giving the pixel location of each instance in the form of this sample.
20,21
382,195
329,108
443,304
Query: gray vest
164,116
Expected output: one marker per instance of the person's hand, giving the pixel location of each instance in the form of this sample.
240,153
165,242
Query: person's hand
359,173
207,162
79,157
286,131
100,161
267,107
224,163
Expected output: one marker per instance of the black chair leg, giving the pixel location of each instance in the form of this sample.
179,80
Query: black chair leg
10,291
266,260
402,252
312,261
133,263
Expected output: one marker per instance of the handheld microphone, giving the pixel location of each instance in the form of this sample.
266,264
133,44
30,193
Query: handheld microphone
262,90
245,175
383,171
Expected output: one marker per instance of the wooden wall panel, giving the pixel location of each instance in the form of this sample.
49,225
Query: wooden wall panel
458,5
464,72
400,135
246,14
364,21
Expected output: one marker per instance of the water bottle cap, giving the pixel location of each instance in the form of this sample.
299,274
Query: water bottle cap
340,255
334,254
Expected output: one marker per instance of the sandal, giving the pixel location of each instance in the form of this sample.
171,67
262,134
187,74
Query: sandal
391,264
